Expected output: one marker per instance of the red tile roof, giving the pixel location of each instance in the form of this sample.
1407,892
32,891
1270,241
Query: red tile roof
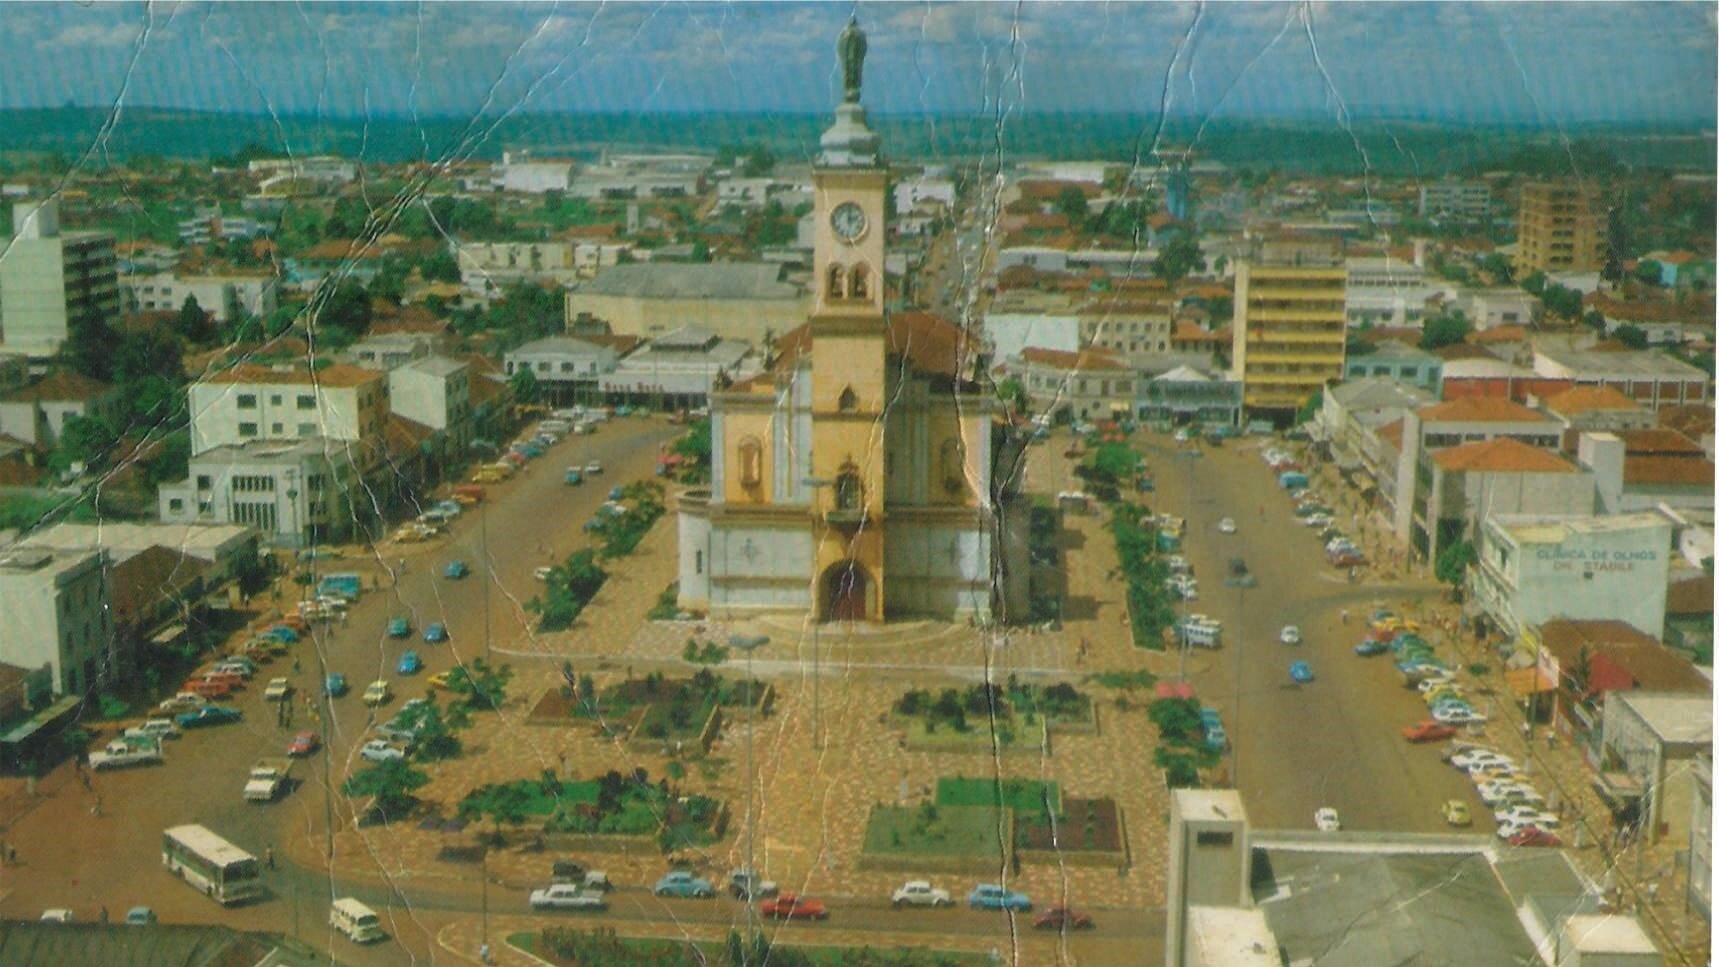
1480,409
1392,433
1692,420
1636,660
929,343
1502,455
1086,359
1690,596
1659,441
1587,399
60,386
339,374
1668,471
1500,334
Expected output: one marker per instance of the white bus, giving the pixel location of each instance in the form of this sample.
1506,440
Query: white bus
226,873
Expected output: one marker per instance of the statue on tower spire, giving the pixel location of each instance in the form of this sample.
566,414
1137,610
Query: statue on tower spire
851,47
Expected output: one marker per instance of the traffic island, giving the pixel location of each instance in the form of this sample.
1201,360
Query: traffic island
991,719
613,813
682,715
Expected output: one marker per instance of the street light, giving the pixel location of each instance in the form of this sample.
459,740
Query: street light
817,484
749,644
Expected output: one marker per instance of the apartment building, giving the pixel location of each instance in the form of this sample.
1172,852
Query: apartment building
1560,227
486,268
1289,322
225,296
57,614
435,392
1132,326
51,280
298,493
248,403
1451,198
1093,384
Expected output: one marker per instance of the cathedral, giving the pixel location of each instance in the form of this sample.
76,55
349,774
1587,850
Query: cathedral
853,479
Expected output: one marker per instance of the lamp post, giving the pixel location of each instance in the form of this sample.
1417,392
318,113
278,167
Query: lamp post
749,644
817,484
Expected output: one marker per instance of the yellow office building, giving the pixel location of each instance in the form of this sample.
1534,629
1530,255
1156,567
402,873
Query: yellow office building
1289,323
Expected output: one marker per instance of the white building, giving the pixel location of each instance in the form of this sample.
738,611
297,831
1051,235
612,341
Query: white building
1534,569
297,493
679,370
1655,737
249,403
566,368
56,608
390,349
519,173
51,280
435,391
225,296
1387,292
38,413
486,268
1489,308
1467,200
912,192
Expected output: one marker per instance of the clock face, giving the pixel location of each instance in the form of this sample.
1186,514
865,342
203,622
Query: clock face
848,221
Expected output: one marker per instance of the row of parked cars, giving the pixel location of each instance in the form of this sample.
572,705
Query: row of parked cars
1313,511
1447,701
1520,813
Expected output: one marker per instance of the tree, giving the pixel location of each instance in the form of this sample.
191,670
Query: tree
440,266
192,323
1178,259
1071,202
434,729
1633,336
1176,718
1113,462
1562,300
1013,393
523,382
85,440
480,684
1311,406
345,307
1445,329
1496,266
391,784
1535,283
1453,562
347,220
695,444
1649,271
503,804
88,348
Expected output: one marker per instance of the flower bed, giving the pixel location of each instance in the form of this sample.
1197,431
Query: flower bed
990,718
1144,573
1086,832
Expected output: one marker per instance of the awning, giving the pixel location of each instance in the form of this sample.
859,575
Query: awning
41,720
1528,681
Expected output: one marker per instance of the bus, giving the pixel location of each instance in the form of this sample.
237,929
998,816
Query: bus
224,872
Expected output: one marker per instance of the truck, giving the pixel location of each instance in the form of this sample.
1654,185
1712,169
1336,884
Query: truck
121,753
268,779
347,586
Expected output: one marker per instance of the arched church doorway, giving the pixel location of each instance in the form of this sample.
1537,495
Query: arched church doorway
844,592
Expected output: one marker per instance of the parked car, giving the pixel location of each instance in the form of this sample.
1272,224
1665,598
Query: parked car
56,915
139,917
566,896
1428,731
991,896
920,893
1300,672
410,664
1526,816
278,690
573,477
1371,647
543,573
1290,635
680,883
435,633
744,884
1226,525
335,685
455,570
1471,757
206,716
1062,918
1455,812
1535,837
593,468
439,680
182,702
303,744
377,693
792,906
1326,820
154,729
399,626
380,750
1459,716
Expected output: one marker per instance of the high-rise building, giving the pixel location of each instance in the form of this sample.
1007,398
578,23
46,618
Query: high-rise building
1559,228
1289,321
51,281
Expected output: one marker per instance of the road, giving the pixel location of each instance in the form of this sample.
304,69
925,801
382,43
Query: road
1333,742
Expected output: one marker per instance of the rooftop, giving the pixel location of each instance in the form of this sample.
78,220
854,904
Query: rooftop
929,342
1658,441
123,540
436,366
1637,654
336,375
1677,718
1587,399
1480,409
1551,529
1379,392
1664,471
692,280
560,345
277,451
59,386
1086,359
1599,362
1609,933
1502,455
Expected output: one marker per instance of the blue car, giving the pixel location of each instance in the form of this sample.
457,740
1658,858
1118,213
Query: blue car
410,664
1301,672
990,896
455,570
1369,648
680,883
436,633
400,627
282,634
574,478
335,686
616,493
208,715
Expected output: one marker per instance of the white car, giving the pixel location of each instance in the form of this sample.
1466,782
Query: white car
1509,829
377,750
154,729
1474,757
1458,716
1520,795
182,702
1227,526
1290,635
1319,521
920,893
542,573
278,690
1326,820
1526,816
1431,682
568,896
593,468
57,915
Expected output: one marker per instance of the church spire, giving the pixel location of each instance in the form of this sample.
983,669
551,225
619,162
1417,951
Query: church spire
850,143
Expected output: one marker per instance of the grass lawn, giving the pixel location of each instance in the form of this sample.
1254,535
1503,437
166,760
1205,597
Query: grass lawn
1026,795
944,831
688,953
1008,735
541,803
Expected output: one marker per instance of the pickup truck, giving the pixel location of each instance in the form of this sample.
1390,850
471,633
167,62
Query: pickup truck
268,779
119,753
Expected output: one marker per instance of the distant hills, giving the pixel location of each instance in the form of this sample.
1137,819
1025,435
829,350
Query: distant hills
1389,148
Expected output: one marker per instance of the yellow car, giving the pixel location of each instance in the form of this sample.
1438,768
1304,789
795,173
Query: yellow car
1456,813
439,680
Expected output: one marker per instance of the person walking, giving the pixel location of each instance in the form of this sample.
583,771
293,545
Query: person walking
269,857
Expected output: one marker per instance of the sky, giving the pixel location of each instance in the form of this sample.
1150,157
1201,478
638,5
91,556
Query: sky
1544,64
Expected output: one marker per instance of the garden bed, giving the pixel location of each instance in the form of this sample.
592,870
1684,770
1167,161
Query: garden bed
936,839
1087,832
1013,718
613,813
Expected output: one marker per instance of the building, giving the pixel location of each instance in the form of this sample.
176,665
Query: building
1651,378
51,281
1560,227
1651,469
519,172
210,225
1579,663
1458,487
223,549
487,268
1468,201
1399,362
1589,409
853,480
910,193
1533,569
287,176
225,296
435,392
1238,896
298,493
1698,877
678,371
1290,323
57,614
1387,292
37,414
337,404
1092,384
642,176
1495,306
744,301
567,369
1653,739
1133,326
1189,395
1689,616
384,351
1453,423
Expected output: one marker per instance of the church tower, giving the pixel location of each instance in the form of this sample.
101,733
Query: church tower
848,328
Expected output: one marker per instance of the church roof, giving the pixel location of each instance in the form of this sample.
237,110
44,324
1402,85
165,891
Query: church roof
928,342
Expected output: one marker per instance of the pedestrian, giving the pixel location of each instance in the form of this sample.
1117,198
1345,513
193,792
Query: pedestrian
269,856
102,916
295,665
1345,615
11,855
483,952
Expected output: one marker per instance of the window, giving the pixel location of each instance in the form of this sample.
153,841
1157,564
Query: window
751,454
833,284
860,284
543,367
203,481
1212,838
951,466
698,562
848,401
567,367
247,401
850,493
274,399
307,429
176,505
247,429
277,429
306,401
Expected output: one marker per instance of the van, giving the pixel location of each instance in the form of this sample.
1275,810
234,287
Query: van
357,921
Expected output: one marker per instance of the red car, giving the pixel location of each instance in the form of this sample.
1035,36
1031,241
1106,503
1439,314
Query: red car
1428,731
303,743
791,906
1535,836
1062,918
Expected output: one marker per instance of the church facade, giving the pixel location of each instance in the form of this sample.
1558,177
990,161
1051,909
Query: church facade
853,479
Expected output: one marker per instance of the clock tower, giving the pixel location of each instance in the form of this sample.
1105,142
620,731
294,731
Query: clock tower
848,325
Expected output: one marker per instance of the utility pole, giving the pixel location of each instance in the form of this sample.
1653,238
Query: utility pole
749,645
483,543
